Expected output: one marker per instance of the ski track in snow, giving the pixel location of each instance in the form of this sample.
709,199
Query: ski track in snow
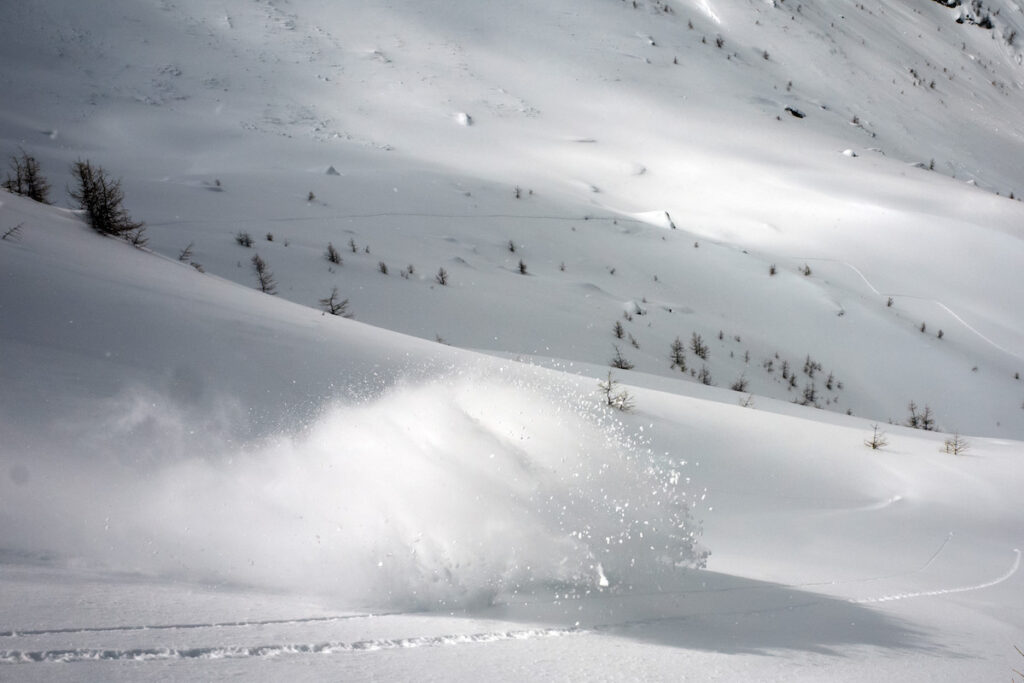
862,277
880,505
870,579
980,335
946,591
14,633
814,584
73,655
267,651
938,303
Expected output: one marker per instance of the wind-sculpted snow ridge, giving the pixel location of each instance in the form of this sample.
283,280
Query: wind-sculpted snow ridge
448,492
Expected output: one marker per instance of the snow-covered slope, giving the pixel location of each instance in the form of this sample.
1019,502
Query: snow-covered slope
203,481
207,411
613,123
816,189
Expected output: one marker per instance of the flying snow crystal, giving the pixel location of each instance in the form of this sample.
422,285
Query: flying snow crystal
453,491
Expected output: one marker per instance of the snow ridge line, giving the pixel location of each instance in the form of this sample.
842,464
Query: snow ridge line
947,591
266,651
14,633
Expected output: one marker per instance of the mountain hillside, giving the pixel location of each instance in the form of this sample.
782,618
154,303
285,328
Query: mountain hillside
580,138
783,229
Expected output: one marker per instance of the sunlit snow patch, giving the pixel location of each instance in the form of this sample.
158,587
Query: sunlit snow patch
705,7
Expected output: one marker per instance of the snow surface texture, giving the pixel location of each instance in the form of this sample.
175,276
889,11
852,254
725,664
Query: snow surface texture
200,481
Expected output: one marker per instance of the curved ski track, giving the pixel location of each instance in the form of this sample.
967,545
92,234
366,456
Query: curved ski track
334,647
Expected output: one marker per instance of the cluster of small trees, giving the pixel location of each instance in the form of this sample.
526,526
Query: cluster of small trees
331,304
954,445
26,179
97,194
809,395
920,419
699,348
101,197
677,355
677,352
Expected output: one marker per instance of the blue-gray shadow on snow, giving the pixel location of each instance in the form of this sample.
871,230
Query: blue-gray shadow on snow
710,611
